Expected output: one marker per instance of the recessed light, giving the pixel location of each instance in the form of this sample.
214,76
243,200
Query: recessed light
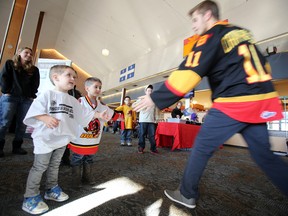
105,52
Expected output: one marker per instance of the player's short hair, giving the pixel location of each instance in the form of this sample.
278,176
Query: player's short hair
58,69
89,81
205,6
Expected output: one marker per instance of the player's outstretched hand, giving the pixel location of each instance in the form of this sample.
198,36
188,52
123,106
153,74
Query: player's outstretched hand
143,103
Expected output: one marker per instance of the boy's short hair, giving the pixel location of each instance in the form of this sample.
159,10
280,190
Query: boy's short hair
127,97
89,81
58,69
149,86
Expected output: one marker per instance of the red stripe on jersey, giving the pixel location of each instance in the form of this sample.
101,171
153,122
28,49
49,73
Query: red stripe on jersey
252,112
84,150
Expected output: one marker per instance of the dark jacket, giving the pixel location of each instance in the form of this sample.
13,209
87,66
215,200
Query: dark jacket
19,82
176,112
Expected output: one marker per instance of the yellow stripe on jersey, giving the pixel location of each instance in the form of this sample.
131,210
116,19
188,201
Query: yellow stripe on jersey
248,98
182,81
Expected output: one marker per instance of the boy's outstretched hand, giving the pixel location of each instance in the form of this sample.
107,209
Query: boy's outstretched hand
144,102
103,115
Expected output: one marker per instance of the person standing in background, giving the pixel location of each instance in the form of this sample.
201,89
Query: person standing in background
147,126
129,119
19,82
176,112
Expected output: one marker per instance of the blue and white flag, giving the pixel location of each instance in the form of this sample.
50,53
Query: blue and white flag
122,75
131,71
127,73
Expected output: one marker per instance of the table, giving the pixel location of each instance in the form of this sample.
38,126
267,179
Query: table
182,134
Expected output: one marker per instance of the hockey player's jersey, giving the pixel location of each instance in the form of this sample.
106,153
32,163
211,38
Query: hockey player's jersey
238,74
88,137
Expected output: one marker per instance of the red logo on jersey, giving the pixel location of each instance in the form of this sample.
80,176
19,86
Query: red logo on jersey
93,127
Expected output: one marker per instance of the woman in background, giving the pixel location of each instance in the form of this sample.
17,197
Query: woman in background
19,82
176,112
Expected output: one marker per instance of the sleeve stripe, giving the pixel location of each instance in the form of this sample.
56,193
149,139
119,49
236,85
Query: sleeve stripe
182,81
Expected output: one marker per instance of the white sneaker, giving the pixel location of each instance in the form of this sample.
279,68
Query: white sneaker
56,194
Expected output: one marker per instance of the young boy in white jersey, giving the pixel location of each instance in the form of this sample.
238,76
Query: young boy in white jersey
54,115
88,138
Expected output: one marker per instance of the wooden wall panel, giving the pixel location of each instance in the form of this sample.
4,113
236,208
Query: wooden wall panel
14,29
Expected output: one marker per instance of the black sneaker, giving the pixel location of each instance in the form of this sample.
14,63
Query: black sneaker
19,151
154,151
176,196
140,150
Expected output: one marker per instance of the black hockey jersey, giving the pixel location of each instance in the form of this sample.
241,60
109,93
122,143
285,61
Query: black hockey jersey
238,74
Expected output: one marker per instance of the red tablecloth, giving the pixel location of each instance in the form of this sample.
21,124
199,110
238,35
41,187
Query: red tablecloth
183,134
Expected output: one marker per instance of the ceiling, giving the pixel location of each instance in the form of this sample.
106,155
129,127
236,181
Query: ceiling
139,31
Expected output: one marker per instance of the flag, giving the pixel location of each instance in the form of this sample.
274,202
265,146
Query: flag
127,73
122,75
130,72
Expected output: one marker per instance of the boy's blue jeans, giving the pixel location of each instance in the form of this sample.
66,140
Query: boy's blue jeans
147,128
79,160
126,136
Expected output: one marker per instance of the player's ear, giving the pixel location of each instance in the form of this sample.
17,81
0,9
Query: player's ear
208,15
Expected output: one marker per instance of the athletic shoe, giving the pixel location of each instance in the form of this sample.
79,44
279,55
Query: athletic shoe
129,144
140,150
176,196
122,144
155,151
34,205
56,194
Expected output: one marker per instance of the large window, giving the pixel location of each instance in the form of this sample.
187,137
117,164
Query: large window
281,125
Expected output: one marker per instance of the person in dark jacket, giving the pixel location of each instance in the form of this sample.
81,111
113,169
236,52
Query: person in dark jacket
19,83
176,112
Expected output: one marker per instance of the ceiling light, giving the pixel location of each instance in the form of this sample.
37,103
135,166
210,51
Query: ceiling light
105,52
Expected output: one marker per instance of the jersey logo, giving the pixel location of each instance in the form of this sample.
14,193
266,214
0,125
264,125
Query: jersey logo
267,114
93,128
203,39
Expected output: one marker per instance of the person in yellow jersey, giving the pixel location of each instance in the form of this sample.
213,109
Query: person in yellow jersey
129,121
